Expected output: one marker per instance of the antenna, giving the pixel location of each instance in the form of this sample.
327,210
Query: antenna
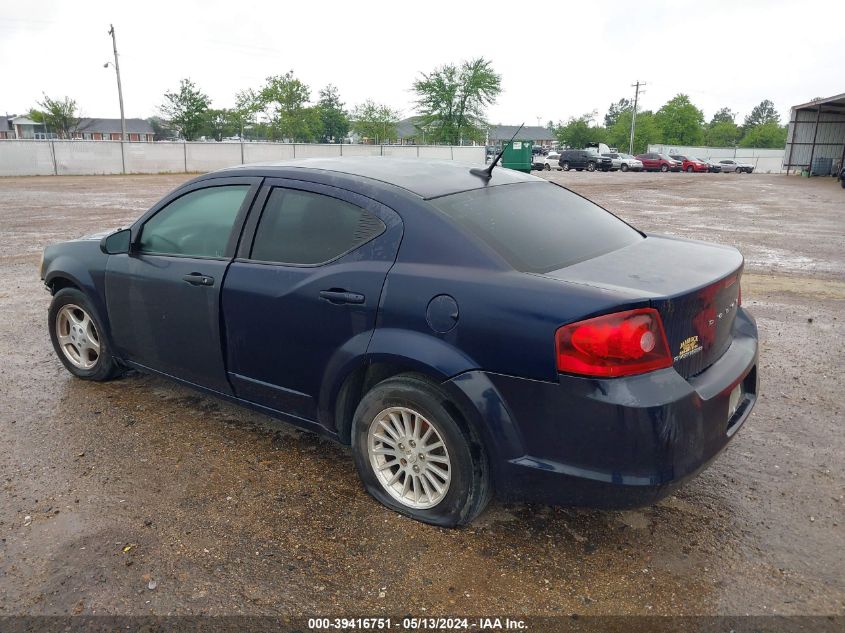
487,173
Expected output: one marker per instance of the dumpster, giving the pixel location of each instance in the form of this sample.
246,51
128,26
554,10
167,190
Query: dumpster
518,156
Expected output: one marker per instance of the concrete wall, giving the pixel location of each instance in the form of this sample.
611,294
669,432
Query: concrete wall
45,158
767,161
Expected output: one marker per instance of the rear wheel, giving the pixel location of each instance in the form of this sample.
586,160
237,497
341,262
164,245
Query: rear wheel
623,167
547,167
415,457
78,337
664,168
565,165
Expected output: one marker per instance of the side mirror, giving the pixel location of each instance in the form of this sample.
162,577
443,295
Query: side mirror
116,243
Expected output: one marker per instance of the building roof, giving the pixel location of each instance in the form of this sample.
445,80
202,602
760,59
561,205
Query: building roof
425,178
406,128
528,133
830,104
112,126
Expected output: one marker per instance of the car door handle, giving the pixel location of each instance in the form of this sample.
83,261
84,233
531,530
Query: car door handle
341,296
198,279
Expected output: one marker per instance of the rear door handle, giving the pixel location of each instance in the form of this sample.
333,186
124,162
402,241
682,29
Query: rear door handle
198,279
341,296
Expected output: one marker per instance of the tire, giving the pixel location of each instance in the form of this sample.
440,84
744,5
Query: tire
739,170
412,403
565,165
591,166
623,167
664,168
547,167
690,169
84,348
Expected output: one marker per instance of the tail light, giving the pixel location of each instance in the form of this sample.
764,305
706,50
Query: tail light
619,344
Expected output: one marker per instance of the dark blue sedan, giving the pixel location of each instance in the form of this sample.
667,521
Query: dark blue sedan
466,335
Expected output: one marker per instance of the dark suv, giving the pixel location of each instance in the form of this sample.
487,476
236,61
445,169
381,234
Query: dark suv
579,159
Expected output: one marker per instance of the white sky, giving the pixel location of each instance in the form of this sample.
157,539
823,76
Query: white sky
557,59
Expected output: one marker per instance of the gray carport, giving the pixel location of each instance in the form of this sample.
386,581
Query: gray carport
816,129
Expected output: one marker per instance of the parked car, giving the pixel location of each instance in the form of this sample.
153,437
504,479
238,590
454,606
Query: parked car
735,166
580,159
713,166
550,161
690,164
842,177
624,162
658,162
554,353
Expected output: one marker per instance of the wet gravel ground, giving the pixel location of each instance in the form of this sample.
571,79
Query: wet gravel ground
141,497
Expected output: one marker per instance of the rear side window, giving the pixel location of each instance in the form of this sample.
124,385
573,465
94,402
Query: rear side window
300,227
537,226
197,224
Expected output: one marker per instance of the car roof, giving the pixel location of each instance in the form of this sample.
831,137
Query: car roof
427,178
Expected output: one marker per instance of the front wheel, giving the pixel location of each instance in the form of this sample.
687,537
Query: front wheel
415,457
591,166
624,167
664,168
690,169
547,167
565,166
78,337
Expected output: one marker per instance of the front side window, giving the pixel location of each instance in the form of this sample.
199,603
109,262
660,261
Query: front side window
537,227
197,224
305,228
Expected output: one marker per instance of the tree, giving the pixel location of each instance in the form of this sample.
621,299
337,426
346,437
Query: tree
762,113
770,134
222,123
645,132
725,115
284,98
58,114
615,109
680,122
375,121
452,100
722,134
577,132
161,131
185,110
334,122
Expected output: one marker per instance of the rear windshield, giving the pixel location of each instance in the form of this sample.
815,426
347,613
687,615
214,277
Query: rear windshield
537,226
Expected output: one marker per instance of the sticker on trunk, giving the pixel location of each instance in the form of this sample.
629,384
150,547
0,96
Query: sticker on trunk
689,346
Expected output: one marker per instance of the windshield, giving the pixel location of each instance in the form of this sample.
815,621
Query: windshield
537,226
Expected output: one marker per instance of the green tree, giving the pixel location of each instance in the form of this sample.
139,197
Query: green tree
578,131
334,122
680,122
222,123
284,99
615,109
161,130
185,110
770,135
58,115
724,115
722,134
646,131
375,121
762,113
452,100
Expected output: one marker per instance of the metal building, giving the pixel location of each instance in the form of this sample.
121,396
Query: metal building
816,131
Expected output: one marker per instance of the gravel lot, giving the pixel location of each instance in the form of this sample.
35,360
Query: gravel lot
107,487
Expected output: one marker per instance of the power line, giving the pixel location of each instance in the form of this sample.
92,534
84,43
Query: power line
634,113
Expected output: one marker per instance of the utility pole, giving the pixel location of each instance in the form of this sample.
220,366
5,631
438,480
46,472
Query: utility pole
634,113
119,87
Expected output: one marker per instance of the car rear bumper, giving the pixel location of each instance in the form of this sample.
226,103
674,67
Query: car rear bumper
620,442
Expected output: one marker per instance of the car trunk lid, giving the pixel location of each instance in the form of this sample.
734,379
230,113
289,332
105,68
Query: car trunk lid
693,285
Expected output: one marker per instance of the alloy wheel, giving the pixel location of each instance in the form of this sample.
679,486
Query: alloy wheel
77,336
409,457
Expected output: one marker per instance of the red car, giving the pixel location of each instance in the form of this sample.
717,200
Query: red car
691,163
658,162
